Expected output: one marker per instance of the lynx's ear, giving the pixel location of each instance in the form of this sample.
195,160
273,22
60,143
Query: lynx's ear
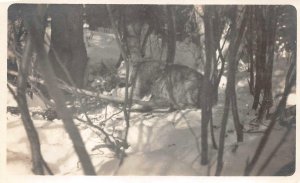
122,63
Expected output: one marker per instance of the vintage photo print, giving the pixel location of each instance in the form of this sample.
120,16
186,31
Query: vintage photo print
189,90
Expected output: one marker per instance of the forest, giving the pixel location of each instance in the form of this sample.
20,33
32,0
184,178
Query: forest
202,90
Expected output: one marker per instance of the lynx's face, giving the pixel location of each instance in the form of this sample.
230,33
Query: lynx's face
143,73
146,69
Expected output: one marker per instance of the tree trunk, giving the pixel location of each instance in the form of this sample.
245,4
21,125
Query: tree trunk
250,51
237,42
67,45
206,97
37,160
230,94
171,39
260,54
267,101
121,31
133,23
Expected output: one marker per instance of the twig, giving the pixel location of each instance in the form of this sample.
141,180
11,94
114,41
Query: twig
90,123
110,117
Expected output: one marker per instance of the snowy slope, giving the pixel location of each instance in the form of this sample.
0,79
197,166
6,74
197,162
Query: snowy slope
160,143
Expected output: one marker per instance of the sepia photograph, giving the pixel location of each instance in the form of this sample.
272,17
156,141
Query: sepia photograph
151,90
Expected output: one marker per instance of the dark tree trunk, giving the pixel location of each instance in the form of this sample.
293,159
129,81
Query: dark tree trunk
67,45
250,51
229,85
267,101
206,97
237,42
121,28
260,54
222,58
133,22
37,160
219,26
230,94
171,39
217,33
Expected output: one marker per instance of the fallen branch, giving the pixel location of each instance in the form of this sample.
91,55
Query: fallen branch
83,92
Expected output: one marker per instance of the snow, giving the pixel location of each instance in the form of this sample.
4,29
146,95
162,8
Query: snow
160,143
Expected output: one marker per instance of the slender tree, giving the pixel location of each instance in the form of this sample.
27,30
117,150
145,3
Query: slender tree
230,94
250,46
38,162
267,102
206,97
260,54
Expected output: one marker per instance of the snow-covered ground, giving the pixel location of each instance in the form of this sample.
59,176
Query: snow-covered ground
160,143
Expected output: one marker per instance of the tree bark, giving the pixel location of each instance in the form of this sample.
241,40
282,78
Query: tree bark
230,94
37,159
260,54
206,97
133,22
237,42
250,51
67,42
267,101
171,39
